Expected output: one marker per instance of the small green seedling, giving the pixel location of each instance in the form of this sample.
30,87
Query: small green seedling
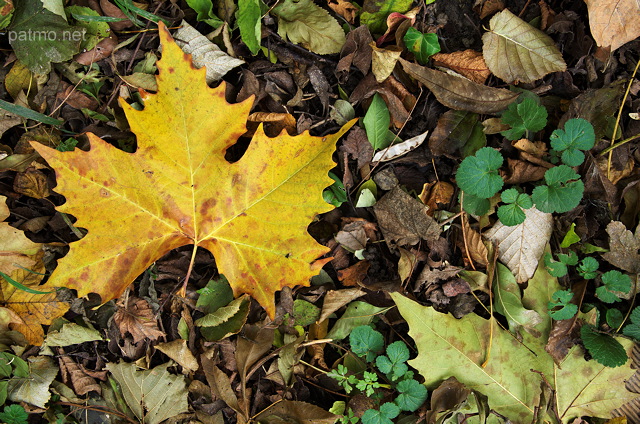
559,268
588,267
368,344
478,175
512,213
526,116
14,414
633,329
612,282
578,136
560,306
562,192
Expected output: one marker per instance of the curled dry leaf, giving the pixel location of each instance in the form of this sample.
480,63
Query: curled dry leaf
614,22
16,250
204,53
520,247
383,60
460,93
400,149
468,63
435,194
517,52
354,275
474,245
75,376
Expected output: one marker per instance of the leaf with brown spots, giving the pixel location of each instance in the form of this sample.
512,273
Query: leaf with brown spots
177,189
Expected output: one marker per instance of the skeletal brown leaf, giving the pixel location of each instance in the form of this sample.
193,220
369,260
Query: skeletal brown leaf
137,318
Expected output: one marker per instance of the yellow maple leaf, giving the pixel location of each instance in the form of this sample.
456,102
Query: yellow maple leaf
177,189
15,247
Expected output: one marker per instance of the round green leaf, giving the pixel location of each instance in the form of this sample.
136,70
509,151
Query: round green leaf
365,341
478,175
412,395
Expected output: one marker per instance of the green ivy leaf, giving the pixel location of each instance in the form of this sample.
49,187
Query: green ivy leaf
588,267
578,135
525,116
604,348
562,299
613,281
422,45
14,414
412,395
562,193
367,342
478,175
376,123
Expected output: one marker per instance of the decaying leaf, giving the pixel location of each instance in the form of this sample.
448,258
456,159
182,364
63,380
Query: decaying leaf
34,310
204,53
15,248
474,245
520,247
383,60
614,22
297,412
513,377
460,93
35,388
177,189
516,51
305,23
137,318
623,247
468,63
403,220
152,395
400,149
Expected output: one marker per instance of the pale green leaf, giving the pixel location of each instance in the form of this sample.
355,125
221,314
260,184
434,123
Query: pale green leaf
508,302
516,51
305,23
153,395
34,388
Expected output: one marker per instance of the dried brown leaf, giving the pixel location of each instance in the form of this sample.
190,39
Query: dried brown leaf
623,247
137,318
460,93
468,63
475,247
336,299
614,22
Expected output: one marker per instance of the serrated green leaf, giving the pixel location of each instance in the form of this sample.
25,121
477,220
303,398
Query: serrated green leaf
412,395
568,259
422,45
522,117
398,352
14,414
511,214
248,17
603,348
376,123
305,23
588,267
613,281
555,268
578,135
478,175
562,193
562,299
367,342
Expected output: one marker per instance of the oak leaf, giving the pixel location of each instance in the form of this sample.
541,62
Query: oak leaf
177,189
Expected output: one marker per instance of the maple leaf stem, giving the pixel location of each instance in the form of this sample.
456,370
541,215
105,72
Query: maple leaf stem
183,290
